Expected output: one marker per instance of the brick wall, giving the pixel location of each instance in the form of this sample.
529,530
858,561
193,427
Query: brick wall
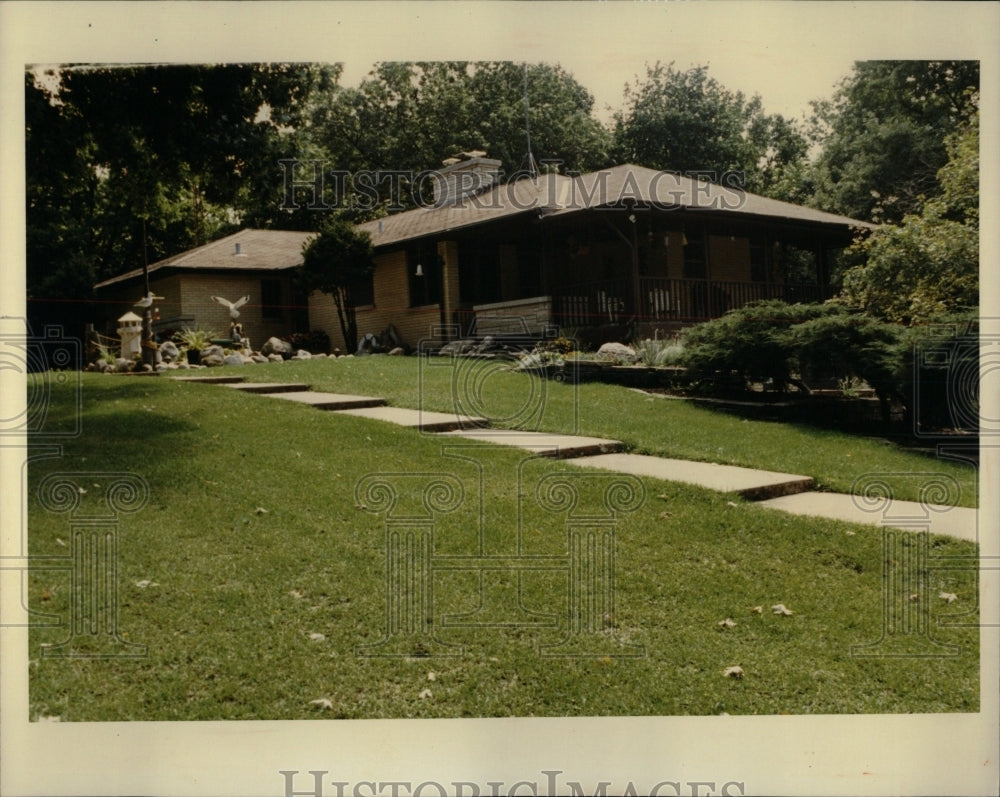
392,306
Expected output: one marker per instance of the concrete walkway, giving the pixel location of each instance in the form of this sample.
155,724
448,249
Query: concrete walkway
782,491
753,485
557,446
952,521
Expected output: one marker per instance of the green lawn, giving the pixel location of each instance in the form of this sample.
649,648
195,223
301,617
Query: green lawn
255,542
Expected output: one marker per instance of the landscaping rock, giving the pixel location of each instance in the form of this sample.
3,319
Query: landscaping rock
122,365
212,351
231,359
275,358
259,358
302,354
456,347
169,351
397,351
617,351
162,367
319,356
212,360
277,346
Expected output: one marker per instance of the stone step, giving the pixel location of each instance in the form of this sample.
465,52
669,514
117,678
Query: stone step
419,419
556,446
754,485
210,380
330,401
270,387
954,521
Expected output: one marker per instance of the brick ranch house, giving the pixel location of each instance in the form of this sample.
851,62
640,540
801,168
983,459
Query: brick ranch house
621,245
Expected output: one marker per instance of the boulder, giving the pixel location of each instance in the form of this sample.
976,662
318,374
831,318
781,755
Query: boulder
122,365
212,351
367,344
277,346
275,358
302,354
162,367
617,351
230,359
397,351
212,360
260,358
169,351
319,356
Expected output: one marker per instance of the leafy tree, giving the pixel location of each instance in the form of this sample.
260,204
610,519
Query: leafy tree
338,261
882,135
928,264
410,116
687,121
127,165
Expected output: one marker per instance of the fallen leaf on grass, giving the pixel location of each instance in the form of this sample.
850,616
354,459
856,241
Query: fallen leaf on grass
260,510
431,676
757,610
426,694
779,608
914,597
60,542
727,623
951,597
297,594
146,583
316,637
665,515
322,702
731,503
733,672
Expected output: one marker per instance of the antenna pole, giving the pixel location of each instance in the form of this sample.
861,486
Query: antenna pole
532,166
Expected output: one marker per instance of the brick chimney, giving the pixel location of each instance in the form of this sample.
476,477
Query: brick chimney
464,175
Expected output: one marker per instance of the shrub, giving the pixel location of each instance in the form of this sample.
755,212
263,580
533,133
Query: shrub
749,344
655,352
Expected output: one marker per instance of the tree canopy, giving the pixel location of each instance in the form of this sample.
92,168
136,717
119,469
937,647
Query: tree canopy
927,265
687,121
882,135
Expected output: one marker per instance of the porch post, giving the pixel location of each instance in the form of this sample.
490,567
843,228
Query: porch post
450,298
636,292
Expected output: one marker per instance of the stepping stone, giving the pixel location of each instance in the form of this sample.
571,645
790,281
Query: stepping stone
419,419
330,401
209,380
752,484
270,387
953,521
544,444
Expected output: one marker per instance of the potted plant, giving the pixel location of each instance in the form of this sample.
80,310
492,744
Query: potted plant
194,340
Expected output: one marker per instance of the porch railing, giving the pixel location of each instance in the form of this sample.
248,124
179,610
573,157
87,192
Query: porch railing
611,301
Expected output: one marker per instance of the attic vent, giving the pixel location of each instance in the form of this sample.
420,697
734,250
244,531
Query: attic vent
463,176
239,250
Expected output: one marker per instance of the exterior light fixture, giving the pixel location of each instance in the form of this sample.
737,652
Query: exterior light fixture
420,270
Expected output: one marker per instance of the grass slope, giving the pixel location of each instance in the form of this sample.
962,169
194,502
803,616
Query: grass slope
239,595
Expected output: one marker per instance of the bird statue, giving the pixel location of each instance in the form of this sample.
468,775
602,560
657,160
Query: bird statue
147,300
234,311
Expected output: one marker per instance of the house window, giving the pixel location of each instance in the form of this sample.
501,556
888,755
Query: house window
758,259
271,299
363,291
694,256
425,286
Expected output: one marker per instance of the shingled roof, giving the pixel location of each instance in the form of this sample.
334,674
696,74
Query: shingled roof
263,250
619,186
